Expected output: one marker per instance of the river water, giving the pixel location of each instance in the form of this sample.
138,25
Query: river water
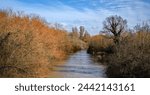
78,65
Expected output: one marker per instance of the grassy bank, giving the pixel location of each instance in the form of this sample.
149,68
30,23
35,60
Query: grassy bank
28,45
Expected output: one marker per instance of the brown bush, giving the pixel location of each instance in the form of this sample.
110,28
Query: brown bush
131,58
100,43
28,45
21,54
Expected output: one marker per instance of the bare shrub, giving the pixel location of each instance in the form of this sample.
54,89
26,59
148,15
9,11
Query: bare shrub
131,58
100,43
28,45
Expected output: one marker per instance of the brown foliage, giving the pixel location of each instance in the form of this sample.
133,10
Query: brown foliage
21,53
28,45
131,58
100,43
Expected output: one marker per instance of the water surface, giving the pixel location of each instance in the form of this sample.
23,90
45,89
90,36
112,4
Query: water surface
78,65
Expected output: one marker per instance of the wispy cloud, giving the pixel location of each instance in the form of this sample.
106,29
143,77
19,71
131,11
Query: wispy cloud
89,13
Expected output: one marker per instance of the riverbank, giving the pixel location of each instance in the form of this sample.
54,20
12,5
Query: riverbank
130,58
28,45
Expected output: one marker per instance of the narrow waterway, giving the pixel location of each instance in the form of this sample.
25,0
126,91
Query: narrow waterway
78,65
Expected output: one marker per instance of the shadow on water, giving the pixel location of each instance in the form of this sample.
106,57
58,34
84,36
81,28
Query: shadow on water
78,65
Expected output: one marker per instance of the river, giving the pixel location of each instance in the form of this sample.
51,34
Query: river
78,65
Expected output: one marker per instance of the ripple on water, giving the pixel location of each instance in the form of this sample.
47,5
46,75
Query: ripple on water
78,65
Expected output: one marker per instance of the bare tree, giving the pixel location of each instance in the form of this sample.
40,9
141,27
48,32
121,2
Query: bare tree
144,27
86,36
115,25
74,29
82,31
74,32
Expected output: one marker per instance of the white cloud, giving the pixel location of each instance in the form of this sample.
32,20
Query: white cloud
133,11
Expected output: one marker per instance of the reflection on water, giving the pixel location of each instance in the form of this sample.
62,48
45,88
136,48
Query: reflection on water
78,65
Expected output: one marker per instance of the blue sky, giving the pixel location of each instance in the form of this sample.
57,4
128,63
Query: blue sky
89,13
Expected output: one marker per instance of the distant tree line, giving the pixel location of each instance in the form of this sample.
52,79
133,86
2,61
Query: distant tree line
80,33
